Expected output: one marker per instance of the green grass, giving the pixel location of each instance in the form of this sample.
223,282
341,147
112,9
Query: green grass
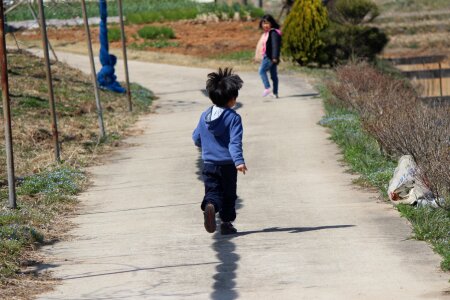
162,15
362,153
19,229
360,150
237,56
153,44
156,32
433,226
114,34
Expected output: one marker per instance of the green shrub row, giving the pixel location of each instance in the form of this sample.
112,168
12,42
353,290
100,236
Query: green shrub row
140,11
162,15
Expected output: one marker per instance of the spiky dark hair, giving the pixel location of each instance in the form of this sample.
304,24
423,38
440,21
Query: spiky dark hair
223,86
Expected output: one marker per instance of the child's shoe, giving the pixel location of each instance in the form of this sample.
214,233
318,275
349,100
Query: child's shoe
275,96
210,218
227,228
266,92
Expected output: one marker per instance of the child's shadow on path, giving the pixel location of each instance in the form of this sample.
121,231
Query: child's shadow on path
224,279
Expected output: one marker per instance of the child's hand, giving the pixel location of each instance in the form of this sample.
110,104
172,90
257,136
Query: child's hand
241,168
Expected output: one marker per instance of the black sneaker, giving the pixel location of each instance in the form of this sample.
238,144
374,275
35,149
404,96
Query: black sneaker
210,218
227,228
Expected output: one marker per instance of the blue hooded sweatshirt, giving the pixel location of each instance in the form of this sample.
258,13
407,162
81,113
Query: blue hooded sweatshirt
221,138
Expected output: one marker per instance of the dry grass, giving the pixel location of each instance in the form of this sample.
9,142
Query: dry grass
393,112
46,190
76,113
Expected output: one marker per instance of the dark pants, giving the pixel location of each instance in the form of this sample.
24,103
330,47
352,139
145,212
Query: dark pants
220,189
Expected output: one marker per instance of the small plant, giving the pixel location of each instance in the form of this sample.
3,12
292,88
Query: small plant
57,184
156,32
114,34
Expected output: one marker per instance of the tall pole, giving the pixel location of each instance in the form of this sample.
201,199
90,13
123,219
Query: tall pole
94,77
440,79
261,3
37,20
49,80
7,113
124,50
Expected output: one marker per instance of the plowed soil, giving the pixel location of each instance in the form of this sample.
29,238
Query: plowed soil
194,38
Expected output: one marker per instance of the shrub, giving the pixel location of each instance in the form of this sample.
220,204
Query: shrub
114,34
342,42
156,32
402,124
346,37
301,30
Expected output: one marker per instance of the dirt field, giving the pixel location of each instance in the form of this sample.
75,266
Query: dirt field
206,40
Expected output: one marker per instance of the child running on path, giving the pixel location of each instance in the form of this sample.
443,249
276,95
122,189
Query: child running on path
219,134
270,51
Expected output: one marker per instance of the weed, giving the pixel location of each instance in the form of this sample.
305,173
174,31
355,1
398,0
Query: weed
114,34
156,32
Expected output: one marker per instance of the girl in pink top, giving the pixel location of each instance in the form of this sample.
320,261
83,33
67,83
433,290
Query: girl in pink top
270,45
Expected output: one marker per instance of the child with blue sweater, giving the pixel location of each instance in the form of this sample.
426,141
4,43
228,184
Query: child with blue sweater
219,134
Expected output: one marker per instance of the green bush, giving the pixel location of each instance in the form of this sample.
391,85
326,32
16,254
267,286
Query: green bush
156,32
114,34
346,37
301,30
343,42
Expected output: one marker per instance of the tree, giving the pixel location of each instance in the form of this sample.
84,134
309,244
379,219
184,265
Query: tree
348,36
301,30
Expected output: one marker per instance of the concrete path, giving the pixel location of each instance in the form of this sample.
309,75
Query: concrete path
306,232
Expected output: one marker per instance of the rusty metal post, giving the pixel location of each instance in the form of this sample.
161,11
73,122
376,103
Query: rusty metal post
93,75
440,79
37,20
7,113
124,50
49,80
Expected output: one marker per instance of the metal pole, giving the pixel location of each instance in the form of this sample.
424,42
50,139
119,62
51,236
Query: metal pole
94,77
49,80
125,59
37,20
440,79
7,113
261,3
